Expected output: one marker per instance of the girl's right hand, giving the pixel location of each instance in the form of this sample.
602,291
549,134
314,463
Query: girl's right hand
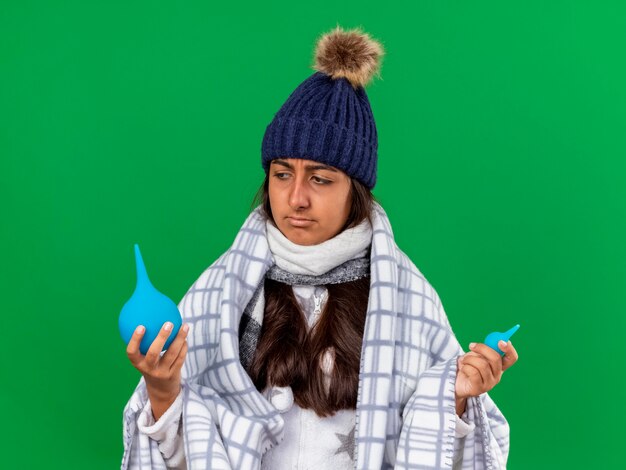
161,372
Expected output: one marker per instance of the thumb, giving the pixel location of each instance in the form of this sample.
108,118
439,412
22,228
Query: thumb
510,355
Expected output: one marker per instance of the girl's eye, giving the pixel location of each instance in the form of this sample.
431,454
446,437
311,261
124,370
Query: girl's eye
319,180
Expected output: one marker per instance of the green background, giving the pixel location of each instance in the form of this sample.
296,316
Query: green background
501,166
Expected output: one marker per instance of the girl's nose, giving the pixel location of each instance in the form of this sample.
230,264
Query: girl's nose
298,197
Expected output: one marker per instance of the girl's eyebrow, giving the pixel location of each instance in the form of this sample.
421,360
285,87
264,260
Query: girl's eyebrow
307,167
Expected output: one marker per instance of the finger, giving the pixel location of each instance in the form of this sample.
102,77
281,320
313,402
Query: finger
154,352
132,349
474,378
497,376
481,365
470,389
172,352
493,356
468,354
510,355
471,371
178,363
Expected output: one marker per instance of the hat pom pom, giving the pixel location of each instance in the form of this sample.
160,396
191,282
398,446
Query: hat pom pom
350,54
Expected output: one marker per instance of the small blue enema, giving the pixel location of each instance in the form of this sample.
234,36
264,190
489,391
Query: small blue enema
492,338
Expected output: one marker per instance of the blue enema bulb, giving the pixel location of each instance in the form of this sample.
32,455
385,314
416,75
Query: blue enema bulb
492,338
150,308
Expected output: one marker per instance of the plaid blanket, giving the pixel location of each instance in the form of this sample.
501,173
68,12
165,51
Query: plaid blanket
405,416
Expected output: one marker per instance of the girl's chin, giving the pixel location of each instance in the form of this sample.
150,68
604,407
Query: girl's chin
300,236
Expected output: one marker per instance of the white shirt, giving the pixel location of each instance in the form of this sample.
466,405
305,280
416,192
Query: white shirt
311,442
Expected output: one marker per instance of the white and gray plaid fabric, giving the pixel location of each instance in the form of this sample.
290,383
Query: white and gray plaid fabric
405,417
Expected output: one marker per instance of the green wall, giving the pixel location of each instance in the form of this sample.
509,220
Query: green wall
501,166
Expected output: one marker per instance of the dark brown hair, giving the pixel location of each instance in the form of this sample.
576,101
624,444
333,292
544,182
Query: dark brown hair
288,353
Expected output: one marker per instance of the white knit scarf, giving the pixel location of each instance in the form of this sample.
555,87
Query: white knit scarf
321,258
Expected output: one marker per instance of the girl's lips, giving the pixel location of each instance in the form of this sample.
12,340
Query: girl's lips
299,222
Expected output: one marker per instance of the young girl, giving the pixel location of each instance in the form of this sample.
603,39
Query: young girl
314,341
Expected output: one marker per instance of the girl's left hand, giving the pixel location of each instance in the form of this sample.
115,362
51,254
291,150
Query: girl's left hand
479,370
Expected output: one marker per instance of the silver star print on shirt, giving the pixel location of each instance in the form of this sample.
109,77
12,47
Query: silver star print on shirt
347,443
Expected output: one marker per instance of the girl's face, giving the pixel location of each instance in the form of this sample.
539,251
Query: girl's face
306,189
